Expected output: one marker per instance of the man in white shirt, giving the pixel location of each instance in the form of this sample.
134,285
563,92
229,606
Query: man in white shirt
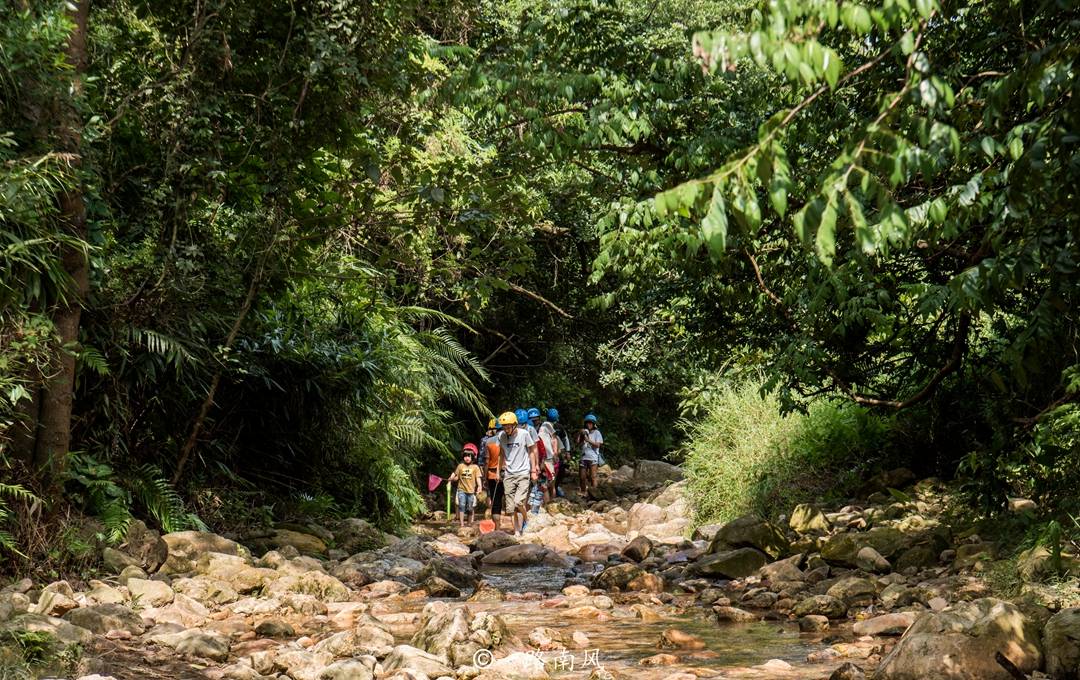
521,468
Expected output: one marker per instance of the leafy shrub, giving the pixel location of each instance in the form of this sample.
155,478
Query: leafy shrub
744,455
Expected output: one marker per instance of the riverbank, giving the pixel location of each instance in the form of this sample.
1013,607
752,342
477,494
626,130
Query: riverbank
886,587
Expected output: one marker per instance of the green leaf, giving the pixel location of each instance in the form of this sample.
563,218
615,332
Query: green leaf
826,235
714,226
778,194
831,66
925,7
938,211
1016,148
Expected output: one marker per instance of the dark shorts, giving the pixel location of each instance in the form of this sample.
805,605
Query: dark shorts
587,464
495,496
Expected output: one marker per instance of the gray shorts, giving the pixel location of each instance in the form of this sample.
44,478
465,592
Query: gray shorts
516,489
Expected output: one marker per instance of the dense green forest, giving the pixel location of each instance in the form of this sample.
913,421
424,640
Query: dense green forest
260,259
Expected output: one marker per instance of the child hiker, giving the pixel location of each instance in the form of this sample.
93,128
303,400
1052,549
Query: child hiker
468,476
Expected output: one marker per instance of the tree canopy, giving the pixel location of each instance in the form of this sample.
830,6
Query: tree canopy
308,249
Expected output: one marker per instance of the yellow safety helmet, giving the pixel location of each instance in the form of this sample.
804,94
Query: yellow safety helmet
508,418
491,424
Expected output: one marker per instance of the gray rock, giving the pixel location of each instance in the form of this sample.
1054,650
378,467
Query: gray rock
1061,640
101,618
456,570
196,643
737,563
115,560
63,631
785,570
734,614
806,519
191,544
522,554
871,560
638,549
349,669
854,591
813,623
492,541
275,628
919,556
887,624
435,586
146,546
821,605
406,657
617,576
150,593
751,532
656,471
960,643
848,671
369,637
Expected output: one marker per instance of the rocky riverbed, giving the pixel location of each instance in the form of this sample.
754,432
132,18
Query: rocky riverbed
881,588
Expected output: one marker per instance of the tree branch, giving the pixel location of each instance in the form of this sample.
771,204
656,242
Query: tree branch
541,299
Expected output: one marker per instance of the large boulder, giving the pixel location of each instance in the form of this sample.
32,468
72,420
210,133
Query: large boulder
101,618
854,591
490,542
322,586
657,472
304,543
196,643
191,544
886,624
367,637
523,554
150,593
750,532
643,515
737,563
440,631
959,643
1061,640
843,549
64,632
783,571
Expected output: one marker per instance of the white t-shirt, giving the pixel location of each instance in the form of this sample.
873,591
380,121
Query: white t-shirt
515,451
547,435
589,450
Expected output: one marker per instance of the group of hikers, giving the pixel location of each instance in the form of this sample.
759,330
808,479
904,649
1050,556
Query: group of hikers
524,455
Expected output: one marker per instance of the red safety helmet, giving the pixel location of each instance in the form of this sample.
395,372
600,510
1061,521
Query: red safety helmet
470,449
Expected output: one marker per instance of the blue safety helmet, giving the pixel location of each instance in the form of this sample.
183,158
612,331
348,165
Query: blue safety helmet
553,414
590,419
534,413
522,416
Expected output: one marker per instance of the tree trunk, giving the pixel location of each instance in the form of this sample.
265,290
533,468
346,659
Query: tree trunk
54,422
